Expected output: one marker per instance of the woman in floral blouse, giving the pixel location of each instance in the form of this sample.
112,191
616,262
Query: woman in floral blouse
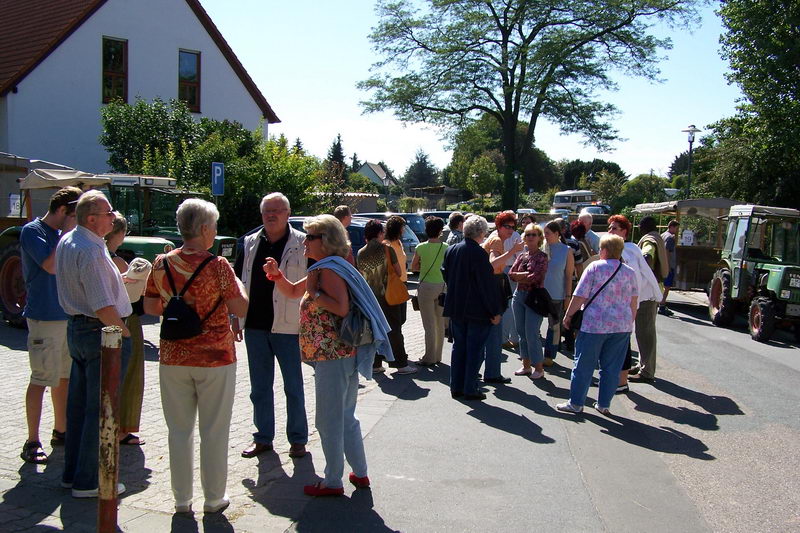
529,271
325,301
606,327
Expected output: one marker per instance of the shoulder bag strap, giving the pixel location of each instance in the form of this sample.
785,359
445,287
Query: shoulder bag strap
169,277
603,286
441,245
202,265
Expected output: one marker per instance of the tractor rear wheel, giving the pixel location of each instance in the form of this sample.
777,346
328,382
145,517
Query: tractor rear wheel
761,319
12,286
721,307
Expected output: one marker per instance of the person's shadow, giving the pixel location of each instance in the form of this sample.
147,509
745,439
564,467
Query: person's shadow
679,415
515,424
404,387
279,492
345,514
31,500
716,405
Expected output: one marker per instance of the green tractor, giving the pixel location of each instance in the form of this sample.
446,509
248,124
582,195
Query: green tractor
148,203
759,271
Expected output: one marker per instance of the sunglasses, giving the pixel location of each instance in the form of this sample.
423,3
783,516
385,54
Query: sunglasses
527,235
509,226
312,237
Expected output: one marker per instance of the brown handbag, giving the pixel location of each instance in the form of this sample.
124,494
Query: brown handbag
396,290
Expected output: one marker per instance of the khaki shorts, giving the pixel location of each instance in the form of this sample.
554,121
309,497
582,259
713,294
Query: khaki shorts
48,352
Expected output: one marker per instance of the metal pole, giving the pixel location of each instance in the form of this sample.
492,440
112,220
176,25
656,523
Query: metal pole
108,471
689,178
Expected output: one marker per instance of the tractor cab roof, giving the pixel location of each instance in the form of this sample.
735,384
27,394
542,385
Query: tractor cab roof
750,210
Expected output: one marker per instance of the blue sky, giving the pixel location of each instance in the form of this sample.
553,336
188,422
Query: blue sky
306,57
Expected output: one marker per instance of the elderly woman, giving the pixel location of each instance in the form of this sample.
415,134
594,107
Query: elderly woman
503,246
428,259
198,374
649,296
132,391
608,293
326,298
529,271
472,304
558,282
373,261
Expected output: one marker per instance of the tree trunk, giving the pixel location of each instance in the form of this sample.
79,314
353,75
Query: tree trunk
510,186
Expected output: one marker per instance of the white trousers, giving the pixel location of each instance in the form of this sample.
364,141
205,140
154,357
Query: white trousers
207,393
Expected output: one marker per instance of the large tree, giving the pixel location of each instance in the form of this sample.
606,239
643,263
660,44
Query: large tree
453,60
421,173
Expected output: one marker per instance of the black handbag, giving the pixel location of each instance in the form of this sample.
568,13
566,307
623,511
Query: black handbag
356,328
539,300
577,318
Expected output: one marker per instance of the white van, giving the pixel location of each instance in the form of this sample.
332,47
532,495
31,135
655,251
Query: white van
571,199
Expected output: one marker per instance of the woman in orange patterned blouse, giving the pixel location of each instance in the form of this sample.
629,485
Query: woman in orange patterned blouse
198,375
325,301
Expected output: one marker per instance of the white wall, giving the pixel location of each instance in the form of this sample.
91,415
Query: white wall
55,114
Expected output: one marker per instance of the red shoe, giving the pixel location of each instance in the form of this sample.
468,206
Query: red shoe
319,490
359,482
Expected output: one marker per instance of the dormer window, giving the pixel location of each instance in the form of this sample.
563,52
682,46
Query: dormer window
189,79
115,70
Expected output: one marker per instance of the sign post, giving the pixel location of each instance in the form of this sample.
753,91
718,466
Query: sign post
218,179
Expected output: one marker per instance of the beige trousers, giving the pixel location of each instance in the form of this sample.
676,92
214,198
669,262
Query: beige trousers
432,320
189,392
646,337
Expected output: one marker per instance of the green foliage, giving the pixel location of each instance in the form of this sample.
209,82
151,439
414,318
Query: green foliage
408,204
582,174
643,188
449,62
421,173
133,132
541,201
483,176
608,187
680,165
360,183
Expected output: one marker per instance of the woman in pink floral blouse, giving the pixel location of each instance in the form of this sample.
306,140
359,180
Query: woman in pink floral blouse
607,325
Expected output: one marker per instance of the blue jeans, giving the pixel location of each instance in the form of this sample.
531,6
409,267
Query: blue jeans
336,386
263,348
528,324
509,326
83,401
493,351
609,349
469,338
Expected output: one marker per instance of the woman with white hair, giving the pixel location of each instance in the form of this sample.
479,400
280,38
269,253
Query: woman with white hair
472,303
198,374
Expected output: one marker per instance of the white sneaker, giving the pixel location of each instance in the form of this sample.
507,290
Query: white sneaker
92,493
408,369
537,374
602,410
567,407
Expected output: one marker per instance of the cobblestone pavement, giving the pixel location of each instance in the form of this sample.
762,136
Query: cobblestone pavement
266,492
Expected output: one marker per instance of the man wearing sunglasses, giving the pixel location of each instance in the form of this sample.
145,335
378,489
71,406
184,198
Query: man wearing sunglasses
271,326
92,293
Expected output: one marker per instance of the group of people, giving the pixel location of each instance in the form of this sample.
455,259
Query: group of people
300,298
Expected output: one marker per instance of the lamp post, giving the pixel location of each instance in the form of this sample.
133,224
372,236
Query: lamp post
691,130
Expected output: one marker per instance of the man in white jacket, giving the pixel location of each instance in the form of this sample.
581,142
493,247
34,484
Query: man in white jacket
271,326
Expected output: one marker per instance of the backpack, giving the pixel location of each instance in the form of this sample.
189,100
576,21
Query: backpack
180,321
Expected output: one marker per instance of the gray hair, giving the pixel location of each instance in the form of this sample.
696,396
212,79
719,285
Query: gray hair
120,225
192,214
272,196
334,236
86,204
585,215
475,227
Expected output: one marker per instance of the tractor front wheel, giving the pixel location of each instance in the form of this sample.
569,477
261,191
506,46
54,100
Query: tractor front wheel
12,286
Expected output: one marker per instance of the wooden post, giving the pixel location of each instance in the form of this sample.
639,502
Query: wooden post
108,468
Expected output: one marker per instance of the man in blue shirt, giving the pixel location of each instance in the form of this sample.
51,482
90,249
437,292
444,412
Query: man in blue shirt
47,323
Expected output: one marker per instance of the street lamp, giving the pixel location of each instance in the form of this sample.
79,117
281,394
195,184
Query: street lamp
691,130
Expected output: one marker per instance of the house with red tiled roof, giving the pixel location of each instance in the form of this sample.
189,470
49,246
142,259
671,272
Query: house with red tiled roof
62,60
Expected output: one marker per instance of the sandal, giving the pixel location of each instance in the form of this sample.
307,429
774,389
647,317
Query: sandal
129,440
524,371
32,452
58,439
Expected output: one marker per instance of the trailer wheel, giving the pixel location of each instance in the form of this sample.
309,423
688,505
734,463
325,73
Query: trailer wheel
761,319
721,306
12,286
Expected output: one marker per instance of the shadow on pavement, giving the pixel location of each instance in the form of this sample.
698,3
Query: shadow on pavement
679,415
355,513
717,405
658,439
516,424
13,338
212,523
132,471
31,500
279,492
404,387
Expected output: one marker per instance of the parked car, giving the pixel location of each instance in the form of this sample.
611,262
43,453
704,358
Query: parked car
594,209
562,213
415,221
355,232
